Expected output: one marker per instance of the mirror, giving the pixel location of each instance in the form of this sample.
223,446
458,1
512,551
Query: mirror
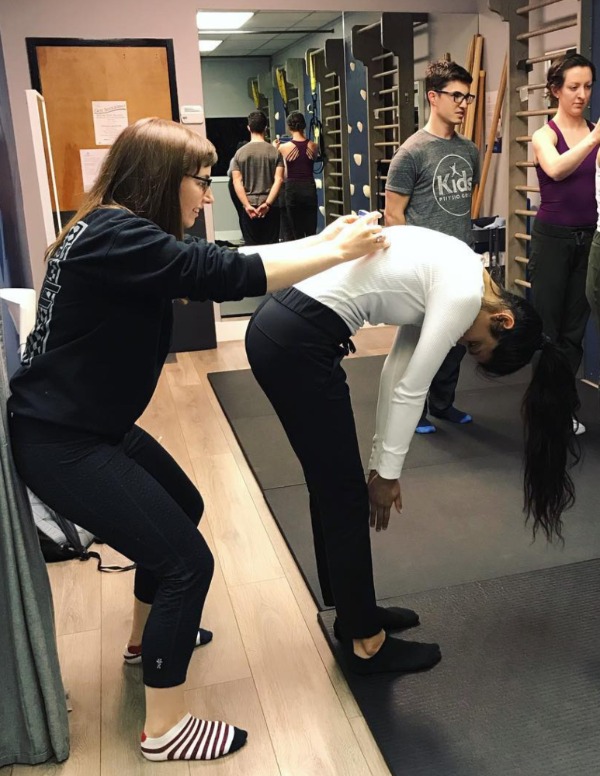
264,65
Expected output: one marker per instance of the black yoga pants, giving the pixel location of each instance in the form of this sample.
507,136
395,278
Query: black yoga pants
260,231
135,497
443,386
298,365
558,263
301,207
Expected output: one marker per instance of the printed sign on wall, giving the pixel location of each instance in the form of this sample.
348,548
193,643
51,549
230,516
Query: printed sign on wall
110,117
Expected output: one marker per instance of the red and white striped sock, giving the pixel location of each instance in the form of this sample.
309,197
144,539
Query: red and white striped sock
194,739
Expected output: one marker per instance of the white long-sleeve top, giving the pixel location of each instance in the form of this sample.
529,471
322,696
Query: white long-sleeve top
429,284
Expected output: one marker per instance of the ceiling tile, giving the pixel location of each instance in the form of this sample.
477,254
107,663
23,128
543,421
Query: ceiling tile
257,44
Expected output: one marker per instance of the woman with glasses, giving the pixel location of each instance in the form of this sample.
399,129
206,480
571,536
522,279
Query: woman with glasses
565,156
91,366
429,183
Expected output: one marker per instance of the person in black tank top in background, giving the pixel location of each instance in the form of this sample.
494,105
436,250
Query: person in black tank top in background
565,152
299,155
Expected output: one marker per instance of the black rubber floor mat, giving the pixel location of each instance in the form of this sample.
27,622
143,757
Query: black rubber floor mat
462,487
518,689
494,405
461,522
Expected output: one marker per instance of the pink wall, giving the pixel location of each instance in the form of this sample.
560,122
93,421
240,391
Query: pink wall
20,19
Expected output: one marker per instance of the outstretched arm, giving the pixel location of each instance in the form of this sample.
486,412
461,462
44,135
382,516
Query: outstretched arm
411,365
384,491
346,239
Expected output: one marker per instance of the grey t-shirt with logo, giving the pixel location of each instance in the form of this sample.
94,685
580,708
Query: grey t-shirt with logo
438,174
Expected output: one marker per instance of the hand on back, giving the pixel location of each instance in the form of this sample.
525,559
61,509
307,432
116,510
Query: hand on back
357,236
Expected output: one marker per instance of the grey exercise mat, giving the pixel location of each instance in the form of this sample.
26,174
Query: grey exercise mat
461,522
516,693
461,486
274,463
497,429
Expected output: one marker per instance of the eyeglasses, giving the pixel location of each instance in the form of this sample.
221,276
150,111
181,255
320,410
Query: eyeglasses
458,97
205,180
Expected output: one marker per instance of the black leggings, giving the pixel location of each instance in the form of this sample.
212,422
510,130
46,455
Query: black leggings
301,207
296,357
134,496
558,261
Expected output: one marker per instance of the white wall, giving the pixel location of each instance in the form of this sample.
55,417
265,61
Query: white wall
444,33
225,84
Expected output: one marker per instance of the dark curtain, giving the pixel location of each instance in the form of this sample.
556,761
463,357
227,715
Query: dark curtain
33,712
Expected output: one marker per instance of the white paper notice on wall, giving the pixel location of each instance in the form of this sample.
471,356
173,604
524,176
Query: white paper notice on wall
91,161
110,118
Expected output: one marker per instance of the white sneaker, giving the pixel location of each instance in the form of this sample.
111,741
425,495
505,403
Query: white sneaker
578,427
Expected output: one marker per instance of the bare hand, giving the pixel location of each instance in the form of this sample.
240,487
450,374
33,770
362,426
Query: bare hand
335,227
262,210
382,494
362,236
251,211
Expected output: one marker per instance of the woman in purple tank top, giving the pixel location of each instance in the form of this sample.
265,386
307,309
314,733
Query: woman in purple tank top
299,155
565,152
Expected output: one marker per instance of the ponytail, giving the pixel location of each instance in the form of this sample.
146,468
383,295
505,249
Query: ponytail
551,448
549,409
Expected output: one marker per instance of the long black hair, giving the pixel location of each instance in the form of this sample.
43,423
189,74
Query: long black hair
549,408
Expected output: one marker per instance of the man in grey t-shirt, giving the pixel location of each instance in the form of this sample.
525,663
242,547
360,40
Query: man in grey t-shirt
257,174
429,184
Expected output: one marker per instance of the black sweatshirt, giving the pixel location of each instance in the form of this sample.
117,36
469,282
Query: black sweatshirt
104,318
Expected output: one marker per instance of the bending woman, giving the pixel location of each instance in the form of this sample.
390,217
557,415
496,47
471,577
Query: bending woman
435,288
565,155
91,365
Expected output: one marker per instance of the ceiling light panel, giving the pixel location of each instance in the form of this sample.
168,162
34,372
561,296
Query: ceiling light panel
208,45
225,20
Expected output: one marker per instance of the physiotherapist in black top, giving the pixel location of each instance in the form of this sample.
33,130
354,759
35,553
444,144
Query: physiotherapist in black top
91,366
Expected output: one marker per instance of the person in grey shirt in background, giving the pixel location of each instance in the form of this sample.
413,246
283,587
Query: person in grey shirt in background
257,174
429,184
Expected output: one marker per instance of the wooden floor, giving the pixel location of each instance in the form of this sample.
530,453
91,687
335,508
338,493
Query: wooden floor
269,668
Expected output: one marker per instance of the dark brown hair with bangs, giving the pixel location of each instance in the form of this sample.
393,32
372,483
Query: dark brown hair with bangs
143,171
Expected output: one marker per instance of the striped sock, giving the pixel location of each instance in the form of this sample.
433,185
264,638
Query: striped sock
194,739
